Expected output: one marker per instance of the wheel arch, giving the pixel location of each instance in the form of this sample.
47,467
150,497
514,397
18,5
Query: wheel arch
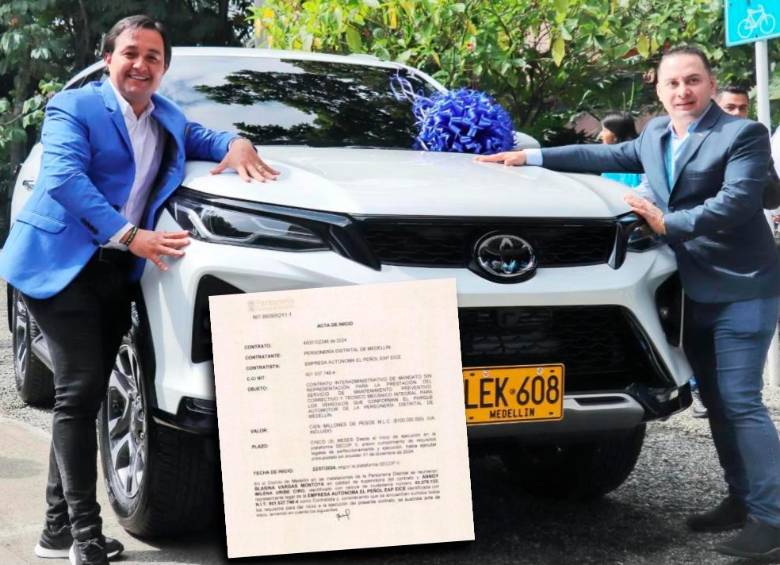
141,332
9,295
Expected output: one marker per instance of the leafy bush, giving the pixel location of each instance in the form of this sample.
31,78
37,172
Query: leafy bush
539,58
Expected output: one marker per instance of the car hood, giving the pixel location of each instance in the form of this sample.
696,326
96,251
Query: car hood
413,183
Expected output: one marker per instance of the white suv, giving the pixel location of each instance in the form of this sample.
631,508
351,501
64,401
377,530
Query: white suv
551,270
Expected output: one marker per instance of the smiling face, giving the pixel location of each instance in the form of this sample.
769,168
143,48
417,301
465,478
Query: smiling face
136,65
685,88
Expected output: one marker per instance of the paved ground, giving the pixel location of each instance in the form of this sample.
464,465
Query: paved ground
642,523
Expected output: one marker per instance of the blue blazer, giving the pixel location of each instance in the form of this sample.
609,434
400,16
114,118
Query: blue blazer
714,215
86,174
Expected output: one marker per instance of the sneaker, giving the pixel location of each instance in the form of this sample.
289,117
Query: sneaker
758,540
730,514
699,410
55,543
88,552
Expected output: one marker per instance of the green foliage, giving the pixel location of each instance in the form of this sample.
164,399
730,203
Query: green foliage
14,125
544,60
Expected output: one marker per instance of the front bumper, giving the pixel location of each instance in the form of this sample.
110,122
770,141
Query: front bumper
585,416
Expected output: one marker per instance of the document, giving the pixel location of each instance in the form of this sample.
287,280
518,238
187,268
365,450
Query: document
341,418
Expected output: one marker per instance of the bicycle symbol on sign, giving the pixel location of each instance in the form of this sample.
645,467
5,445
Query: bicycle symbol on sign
756,19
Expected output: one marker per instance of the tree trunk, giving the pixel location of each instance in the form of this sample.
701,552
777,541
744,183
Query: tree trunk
17,150
23,89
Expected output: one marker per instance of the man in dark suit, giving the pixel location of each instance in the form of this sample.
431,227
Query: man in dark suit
112,154
707,173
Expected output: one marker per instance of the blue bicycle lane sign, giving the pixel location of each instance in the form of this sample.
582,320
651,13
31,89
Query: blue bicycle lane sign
751,20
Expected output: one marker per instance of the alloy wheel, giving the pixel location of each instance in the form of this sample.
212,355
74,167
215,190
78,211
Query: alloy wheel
126,422
21,337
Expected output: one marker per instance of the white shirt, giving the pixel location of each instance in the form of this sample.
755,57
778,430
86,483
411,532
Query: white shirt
146,140
776,158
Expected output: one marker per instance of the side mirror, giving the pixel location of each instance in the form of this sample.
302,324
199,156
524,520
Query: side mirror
524,141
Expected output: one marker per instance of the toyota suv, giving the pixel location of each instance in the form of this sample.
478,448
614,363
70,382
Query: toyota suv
552,271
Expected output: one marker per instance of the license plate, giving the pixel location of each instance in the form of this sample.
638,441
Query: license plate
513,394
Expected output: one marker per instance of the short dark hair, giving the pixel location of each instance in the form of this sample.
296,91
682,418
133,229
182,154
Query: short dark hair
621,124
687,50
137,22
734,89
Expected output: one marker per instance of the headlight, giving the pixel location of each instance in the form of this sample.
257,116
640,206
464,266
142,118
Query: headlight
632,234
639,236
225,222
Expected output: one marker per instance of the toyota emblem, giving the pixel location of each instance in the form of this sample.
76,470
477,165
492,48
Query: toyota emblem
504,258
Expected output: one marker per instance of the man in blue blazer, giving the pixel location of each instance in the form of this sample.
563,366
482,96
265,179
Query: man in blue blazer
707,172
113,153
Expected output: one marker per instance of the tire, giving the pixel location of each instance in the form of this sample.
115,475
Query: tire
160,481
34,380
577,471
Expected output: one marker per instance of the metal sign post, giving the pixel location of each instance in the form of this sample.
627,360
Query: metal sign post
762,83
756,21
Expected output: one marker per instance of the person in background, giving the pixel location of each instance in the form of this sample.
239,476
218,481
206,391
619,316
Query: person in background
618,127
734,100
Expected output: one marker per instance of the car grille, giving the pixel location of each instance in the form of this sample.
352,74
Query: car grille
601,347
450,243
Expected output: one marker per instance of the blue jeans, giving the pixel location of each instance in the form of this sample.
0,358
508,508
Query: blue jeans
727,346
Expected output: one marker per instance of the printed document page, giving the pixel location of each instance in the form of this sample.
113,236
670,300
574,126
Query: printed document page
341,418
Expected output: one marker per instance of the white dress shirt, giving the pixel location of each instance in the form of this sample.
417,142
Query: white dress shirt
776,158
146,140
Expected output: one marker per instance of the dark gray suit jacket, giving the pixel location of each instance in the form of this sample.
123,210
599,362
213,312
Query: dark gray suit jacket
714,217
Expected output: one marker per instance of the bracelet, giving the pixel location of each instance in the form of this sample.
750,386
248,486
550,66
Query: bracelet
131,236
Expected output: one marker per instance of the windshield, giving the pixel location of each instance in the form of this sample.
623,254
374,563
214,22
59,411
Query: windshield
293,102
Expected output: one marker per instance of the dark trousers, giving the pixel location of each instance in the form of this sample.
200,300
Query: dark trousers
83,325
727,346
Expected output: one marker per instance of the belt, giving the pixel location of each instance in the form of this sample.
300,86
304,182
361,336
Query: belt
113,256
